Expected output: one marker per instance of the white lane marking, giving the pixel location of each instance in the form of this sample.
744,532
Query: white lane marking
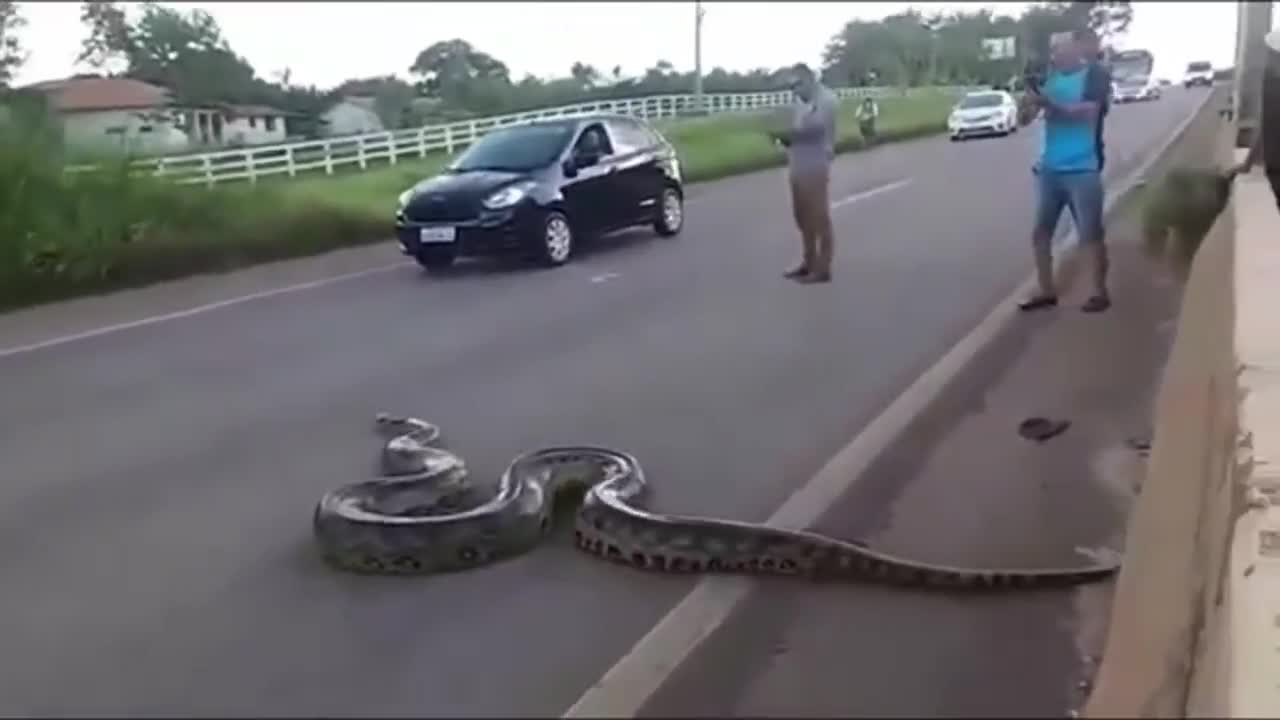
633,680
888,187
200,309
197,310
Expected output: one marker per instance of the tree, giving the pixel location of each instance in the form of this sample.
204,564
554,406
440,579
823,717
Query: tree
447,68
392,97
12,54
1110,19
897,50
109,35
584,74
185,53
909,48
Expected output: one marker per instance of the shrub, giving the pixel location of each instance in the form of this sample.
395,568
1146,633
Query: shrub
1178,212
65,233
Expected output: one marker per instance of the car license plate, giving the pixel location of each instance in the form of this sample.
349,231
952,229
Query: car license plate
437,235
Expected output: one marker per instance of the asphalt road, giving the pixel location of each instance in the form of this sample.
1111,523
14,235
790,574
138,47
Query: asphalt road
159,481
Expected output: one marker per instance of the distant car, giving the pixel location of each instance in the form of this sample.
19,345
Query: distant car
536,189
1137,89
985,112
1198,73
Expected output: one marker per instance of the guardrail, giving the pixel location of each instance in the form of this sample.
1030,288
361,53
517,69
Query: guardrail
251,163
1195,624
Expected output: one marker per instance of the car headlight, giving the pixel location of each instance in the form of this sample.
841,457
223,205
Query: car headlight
508,196
404,199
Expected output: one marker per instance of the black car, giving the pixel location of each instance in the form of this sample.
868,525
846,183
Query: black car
537,188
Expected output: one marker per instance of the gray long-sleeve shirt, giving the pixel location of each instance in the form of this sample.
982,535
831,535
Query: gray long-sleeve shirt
813,127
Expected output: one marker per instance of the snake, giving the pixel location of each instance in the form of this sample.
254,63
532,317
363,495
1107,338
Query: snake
422,515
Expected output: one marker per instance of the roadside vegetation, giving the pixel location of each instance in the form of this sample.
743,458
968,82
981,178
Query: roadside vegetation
65,234
1178,212
710,148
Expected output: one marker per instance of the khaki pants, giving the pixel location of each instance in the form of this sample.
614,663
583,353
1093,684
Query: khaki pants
812,209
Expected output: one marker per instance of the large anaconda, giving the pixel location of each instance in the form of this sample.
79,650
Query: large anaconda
423,516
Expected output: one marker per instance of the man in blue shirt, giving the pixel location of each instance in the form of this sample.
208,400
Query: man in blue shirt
1069,169
1099,81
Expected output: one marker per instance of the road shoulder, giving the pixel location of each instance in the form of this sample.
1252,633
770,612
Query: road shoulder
963,488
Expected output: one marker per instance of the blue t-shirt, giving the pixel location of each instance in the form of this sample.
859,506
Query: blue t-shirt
1069,145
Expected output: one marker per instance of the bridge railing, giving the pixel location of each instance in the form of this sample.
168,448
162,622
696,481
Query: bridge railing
329,155
1195,622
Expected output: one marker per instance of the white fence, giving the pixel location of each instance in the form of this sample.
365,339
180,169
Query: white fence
252,163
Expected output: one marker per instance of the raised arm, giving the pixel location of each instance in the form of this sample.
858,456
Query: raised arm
1255,153
1028,107
1097,96
1083,110
813,125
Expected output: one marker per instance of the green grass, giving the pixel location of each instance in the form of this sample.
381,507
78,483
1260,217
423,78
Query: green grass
67,234
710,148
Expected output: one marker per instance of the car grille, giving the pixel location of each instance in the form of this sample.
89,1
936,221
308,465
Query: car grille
441,208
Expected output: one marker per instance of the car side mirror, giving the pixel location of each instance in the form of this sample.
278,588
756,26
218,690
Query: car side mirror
585,159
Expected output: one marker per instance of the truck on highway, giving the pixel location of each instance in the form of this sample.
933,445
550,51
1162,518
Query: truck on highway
1198,73
1131,76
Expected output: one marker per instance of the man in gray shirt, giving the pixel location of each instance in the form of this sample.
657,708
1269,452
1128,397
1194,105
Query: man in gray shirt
810,143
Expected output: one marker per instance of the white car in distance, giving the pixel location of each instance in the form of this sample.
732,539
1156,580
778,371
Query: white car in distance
983,113
1137,89
1198,73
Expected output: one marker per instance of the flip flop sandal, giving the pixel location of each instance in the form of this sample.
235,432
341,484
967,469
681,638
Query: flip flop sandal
1041,302
1140,445
1096,304
1041,429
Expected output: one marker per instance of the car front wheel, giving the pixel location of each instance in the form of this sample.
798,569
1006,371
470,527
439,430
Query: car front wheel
554,246
670,220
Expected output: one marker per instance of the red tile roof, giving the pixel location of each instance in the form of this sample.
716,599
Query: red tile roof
99,93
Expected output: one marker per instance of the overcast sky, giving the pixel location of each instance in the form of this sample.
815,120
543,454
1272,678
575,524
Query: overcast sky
327,42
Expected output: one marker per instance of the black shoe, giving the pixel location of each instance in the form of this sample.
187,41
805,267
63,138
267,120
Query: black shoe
797,272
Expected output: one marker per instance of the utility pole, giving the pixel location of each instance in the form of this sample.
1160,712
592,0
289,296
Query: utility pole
697,57
1253,22
932,25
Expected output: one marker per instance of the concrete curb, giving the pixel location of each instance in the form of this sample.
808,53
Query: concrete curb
1177,620
628,685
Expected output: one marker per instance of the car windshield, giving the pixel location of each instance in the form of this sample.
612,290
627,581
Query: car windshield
1198,67
984,100
517,149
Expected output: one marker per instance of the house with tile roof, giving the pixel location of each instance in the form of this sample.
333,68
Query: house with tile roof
119,112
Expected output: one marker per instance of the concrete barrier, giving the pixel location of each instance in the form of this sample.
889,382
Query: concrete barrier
1195,624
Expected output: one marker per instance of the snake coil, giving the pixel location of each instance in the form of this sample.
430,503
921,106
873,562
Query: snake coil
424,516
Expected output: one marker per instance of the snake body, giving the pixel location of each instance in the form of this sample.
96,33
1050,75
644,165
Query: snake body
424,516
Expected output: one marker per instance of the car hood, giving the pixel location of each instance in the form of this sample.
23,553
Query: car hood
975,113
469,184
